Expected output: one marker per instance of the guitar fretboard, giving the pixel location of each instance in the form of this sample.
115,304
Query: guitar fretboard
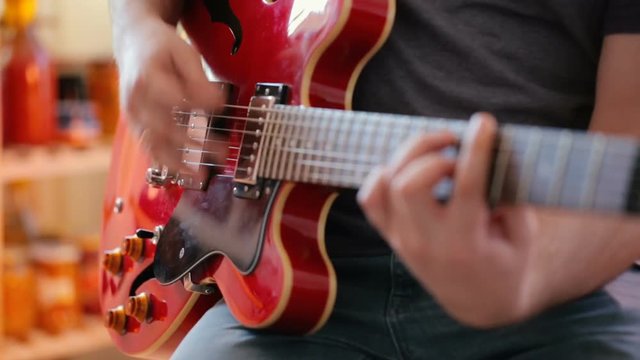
543,166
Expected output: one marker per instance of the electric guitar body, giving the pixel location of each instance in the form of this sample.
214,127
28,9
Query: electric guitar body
264,252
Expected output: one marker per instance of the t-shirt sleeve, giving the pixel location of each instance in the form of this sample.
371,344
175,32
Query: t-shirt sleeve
622,16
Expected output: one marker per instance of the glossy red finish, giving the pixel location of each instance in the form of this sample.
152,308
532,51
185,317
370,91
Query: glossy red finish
311,290
314,47
144,207
280,41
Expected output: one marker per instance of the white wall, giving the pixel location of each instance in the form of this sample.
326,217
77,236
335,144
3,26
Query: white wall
75,31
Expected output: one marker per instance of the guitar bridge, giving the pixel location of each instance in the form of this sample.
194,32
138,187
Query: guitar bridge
246,181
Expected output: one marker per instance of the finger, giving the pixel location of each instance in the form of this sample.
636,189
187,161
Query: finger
157,85
420,145
415,185
162,150
520,223
374,200
199,91
474,161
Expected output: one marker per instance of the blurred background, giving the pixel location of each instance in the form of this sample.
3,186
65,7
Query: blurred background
58,112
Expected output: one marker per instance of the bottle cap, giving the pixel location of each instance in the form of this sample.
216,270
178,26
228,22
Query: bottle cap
19,13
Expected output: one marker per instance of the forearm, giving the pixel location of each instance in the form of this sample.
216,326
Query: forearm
129,16
582,252
127,11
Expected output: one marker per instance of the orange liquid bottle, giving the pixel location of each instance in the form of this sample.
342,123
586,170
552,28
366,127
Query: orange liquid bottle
28,99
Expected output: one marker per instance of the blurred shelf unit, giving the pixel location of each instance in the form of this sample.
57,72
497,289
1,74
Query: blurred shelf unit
36,163
41,162
89,338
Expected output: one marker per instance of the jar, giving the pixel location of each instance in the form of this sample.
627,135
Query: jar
18,287
89,288
102,79
58,303
28,79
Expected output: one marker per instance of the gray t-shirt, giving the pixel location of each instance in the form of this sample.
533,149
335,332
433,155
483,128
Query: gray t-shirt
527,61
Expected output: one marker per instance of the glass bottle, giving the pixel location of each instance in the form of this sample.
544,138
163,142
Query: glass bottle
28,79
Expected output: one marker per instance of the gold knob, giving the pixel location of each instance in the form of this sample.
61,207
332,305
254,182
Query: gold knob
113,261
134,247
139,307
116,319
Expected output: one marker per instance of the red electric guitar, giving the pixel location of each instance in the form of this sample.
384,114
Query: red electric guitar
253,232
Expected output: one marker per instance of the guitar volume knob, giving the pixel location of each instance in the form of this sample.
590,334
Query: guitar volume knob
116,319
139,307
113,261
134,247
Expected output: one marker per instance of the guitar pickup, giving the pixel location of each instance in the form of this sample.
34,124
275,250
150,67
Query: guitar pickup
204,150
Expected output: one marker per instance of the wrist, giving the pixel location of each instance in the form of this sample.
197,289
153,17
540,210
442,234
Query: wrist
134,19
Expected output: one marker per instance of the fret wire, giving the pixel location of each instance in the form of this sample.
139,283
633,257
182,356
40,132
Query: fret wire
308,144
528,168
270,132
334,133
293,161
502,161
371,144
379,143
343,135
361,127
279,144
564,150
385,145
320,137
284,142
405,134
317,134
330,123
288,140
593,172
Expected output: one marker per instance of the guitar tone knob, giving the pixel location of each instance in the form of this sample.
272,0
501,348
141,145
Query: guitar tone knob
113,261
139,307
134,247
116,319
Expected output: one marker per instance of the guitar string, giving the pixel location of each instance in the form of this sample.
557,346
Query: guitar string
309,143
358,160
437,123
356,174
327,164
367,125
356,177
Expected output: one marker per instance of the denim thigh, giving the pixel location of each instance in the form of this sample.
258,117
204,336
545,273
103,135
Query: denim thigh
381,312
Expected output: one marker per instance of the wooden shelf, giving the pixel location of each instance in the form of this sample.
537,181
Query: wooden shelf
33,163
92,336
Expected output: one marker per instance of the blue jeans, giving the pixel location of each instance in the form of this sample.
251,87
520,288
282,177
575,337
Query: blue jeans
381,312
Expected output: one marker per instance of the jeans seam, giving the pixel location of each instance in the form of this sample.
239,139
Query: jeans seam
389,307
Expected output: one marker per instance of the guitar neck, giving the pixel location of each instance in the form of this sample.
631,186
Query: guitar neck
542,166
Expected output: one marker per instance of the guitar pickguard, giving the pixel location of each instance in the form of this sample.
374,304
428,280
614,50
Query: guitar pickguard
209,223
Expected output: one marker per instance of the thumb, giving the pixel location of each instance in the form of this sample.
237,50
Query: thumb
198,90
